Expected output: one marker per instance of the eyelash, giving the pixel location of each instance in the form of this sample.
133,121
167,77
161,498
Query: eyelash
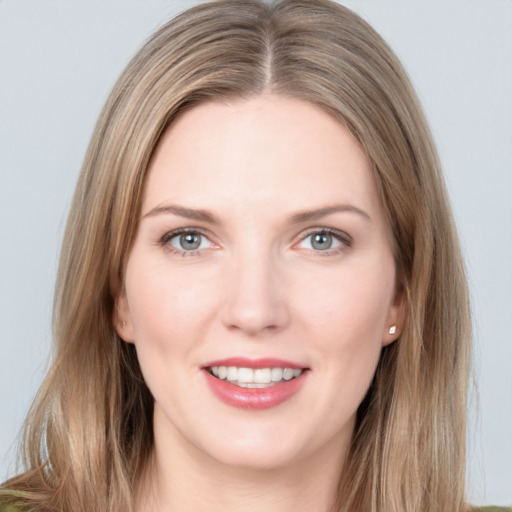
343,238
164,241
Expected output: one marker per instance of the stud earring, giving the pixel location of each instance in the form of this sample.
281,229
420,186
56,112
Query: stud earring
123,324
392,329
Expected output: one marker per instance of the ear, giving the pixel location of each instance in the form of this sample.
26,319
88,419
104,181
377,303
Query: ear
122,319
395,319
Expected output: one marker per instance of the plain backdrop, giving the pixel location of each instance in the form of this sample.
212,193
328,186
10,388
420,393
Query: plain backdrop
58,61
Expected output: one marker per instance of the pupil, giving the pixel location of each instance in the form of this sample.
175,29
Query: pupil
190,241
322,241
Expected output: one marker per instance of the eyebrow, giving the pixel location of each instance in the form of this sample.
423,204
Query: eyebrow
298,218
182,211
310,215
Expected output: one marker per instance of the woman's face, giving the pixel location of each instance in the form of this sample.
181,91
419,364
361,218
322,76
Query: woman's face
260,288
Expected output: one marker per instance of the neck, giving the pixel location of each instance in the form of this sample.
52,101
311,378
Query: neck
181,477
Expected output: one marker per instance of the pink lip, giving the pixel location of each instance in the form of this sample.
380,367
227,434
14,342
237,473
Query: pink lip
254,398
243,362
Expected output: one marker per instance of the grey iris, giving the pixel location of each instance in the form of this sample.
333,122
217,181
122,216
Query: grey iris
321,241
190,241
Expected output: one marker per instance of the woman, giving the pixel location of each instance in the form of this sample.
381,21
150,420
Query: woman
261,292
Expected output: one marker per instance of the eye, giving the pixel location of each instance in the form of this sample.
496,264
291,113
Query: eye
186,241
325,240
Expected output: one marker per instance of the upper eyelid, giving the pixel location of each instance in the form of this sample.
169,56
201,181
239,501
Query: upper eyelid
179,231
343,235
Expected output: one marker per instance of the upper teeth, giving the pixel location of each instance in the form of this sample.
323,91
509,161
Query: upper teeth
260,377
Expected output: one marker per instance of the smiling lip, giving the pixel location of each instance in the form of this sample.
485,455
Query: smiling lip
243,362
254,398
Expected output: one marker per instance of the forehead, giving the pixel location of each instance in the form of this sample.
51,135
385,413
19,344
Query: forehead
262,151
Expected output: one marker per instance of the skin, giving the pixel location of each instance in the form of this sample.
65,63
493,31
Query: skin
257,287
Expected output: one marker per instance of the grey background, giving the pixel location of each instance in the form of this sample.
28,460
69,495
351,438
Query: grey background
59,59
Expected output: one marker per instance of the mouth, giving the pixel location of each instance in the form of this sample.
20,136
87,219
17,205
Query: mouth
255,384
254,377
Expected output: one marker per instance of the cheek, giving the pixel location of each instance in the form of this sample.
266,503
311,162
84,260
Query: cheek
346,317
351,306
164,306
167,312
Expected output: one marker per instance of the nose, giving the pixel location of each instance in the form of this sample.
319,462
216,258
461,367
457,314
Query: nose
255,296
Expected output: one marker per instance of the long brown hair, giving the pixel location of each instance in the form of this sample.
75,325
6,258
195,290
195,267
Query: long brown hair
88,437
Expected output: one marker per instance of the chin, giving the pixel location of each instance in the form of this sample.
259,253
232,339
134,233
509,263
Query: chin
261,447
256,458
